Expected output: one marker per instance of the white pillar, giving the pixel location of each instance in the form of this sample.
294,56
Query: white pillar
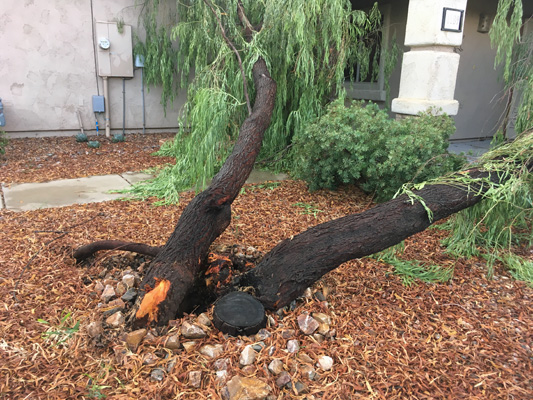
429,70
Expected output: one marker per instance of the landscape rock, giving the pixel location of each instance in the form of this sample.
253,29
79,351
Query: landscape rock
157,374
300,388
133,339
247,356
108,293
322,318
287,333
262,334
307,324
305,358
293,346
94,329
276,366
203,319
121,289
99,288
309,372
282,379
128,280
241,388
192,331
172,342
119,303
115,320
189,346
325,362
130,295
195,379
212,351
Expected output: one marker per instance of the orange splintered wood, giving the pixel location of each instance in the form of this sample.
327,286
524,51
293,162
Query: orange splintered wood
152,299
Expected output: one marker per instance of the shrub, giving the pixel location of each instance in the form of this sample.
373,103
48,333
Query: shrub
3,142
362,145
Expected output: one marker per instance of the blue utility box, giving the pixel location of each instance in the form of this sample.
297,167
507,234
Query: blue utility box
2,116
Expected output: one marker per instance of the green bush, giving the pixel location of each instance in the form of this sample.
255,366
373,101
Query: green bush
362,145
3,142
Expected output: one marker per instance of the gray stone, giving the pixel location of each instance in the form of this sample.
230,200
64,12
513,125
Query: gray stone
258,346
287,333
247,356
157,374
130,295
307,324
300,388
309,372
293,346
192,331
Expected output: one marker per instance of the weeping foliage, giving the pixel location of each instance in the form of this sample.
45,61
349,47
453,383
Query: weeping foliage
515,53
504,218
306,45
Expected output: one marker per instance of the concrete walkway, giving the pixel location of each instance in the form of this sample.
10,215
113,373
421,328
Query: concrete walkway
93,189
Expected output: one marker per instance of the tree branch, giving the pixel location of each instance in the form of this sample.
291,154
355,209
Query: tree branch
230,44
88,250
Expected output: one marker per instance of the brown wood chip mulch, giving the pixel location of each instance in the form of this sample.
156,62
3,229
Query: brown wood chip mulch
469,339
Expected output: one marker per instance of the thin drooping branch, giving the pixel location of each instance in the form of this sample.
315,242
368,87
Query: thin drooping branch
88,250
231,45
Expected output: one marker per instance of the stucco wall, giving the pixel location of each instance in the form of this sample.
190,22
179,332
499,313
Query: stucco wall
47,69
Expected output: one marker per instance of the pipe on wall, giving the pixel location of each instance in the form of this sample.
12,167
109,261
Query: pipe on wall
106,102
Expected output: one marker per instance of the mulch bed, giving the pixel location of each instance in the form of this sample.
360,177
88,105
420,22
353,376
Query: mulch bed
470,338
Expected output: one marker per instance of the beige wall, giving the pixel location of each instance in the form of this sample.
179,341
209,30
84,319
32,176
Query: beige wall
47,69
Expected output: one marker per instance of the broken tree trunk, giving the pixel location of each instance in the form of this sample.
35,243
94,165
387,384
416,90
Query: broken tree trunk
177,265
296,263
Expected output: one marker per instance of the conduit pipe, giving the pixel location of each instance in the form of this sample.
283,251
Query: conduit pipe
106,103
79,121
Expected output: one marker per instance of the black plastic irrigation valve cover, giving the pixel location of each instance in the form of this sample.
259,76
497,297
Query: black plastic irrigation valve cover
239,313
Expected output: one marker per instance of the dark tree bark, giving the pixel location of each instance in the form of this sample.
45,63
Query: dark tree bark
207,216
296,263
88,250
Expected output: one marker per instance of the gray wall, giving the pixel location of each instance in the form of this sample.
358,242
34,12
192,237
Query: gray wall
47,69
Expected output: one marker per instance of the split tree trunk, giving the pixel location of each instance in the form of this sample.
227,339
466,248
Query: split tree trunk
296,263
183,257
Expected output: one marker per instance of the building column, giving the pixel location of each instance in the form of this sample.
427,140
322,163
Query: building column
429,70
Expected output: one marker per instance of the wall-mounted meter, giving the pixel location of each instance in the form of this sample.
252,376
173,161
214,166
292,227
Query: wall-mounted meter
104,43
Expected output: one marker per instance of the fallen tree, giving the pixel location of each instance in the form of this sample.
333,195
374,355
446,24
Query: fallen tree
293,265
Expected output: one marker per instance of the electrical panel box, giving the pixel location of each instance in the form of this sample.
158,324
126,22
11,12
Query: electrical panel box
98,104
114,49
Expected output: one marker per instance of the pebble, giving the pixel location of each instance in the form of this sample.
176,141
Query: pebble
189,346
247,356
283,379
287,333
322,318
212,351
149,359
320,296
262,334
117,303
307,324
203,319
108,293
195,379
94,329
130,295
99,288
276,366
221,364
309,372
115,320
157,374
128,280
305,358
325,362
293,346
121,289
259,346
133,339
192,331
172,342
300,388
